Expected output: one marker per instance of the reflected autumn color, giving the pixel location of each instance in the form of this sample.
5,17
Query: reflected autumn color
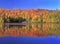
36,29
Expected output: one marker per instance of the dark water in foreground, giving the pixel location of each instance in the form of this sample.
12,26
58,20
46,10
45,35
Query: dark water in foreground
29,40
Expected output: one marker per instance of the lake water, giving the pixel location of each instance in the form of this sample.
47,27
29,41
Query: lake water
47,33
34,29
30,40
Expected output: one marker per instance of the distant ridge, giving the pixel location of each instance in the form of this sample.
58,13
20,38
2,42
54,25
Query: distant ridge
24,9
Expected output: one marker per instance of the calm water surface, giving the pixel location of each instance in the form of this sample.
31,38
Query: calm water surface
30,40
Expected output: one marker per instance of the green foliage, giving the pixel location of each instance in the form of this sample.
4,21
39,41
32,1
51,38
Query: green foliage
28,18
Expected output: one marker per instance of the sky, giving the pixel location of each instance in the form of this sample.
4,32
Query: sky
29,4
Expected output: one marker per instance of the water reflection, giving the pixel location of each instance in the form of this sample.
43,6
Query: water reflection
32,29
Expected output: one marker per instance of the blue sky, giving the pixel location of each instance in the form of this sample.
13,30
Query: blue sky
28,4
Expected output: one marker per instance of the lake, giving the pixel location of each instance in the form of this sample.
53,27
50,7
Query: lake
30,40
34,29
35,33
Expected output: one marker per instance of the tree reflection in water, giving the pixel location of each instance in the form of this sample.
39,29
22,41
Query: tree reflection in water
34,29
